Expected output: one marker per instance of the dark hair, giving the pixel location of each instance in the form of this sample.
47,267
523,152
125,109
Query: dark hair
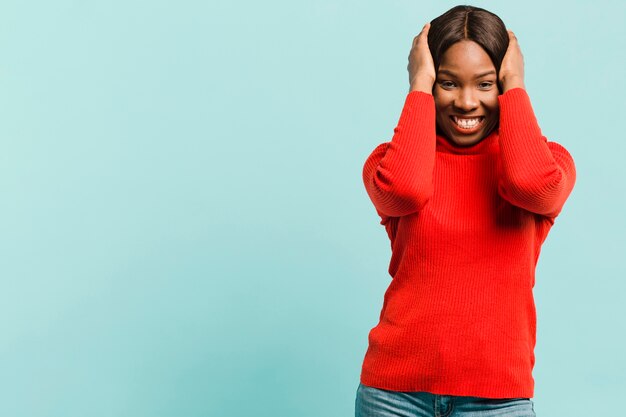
470,23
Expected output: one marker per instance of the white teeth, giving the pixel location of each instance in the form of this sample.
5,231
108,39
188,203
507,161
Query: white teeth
466,123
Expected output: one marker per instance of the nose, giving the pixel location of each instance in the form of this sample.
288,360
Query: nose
466,100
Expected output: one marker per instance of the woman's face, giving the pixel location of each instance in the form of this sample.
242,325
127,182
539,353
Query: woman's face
466,94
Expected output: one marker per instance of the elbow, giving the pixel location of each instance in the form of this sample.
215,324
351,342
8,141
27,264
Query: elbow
405,202
545,197
395,195
399,199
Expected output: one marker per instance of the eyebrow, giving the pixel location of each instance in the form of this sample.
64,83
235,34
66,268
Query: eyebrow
482,74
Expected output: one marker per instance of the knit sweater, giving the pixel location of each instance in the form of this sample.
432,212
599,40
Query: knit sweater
466,225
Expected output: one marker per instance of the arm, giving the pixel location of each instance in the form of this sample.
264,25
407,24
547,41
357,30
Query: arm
537,175
398,174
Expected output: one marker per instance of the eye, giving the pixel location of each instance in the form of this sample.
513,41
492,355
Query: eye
447,84
485,85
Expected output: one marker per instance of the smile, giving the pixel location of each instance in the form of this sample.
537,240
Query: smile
467,125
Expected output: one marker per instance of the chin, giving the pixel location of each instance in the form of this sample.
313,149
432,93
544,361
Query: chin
466,142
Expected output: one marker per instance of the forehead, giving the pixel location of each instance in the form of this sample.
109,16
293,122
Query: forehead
466,57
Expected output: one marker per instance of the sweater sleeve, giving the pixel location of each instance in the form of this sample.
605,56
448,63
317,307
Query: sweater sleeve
537,175
398,174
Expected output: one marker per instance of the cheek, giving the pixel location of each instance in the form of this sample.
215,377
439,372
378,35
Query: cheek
494,110
442,99
494,115
491,103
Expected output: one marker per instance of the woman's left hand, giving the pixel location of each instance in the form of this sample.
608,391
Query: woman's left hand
512,67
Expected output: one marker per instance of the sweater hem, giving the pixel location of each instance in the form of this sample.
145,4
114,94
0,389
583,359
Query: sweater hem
483,391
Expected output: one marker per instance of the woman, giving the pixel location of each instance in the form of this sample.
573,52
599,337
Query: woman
467,189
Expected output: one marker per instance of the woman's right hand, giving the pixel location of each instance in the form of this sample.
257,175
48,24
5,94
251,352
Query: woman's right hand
421,66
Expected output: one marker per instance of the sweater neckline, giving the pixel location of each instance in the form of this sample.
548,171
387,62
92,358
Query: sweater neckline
486,145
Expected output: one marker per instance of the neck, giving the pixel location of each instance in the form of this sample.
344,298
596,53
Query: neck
483,146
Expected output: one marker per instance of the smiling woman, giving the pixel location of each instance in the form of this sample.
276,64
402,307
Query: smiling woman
467,52
467,189
466,94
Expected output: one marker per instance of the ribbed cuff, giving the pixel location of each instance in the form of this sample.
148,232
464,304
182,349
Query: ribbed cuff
418,114
517,115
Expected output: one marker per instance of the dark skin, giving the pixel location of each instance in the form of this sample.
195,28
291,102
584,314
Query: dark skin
464,87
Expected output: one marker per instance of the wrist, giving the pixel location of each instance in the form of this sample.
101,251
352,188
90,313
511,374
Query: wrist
510,83
424,84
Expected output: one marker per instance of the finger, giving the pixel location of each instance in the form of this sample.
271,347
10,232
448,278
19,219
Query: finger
425,30
423,33
512,36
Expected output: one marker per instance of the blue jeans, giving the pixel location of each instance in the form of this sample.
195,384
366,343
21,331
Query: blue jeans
375,402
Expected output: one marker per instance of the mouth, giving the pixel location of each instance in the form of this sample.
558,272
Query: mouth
467,125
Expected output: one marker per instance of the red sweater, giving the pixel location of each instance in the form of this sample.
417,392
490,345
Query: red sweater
466,227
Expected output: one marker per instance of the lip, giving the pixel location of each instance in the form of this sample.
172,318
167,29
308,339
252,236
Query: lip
463,131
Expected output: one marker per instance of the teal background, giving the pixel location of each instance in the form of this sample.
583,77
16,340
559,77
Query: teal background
183,226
